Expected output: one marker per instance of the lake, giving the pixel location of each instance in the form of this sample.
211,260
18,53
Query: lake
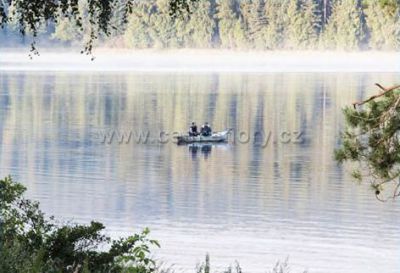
274,191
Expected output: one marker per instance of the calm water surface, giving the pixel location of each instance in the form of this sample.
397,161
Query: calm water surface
237,201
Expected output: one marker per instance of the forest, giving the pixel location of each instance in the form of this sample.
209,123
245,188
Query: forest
233,24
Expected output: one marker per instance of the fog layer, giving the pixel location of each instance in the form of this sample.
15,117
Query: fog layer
203,61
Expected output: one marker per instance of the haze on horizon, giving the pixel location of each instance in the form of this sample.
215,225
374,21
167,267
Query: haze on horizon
202,61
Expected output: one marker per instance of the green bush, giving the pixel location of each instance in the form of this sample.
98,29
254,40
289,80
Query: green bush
30,242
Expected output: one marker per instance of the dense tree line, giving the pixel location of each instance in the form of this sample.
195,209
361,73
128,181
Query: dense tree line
245,24
265,24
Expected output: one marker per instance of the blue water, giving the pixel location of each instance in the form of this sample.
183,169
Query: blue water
236,201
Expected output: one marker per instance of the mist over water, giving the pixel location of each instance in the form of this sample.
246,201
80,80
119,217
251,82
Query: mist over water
234,201
200,61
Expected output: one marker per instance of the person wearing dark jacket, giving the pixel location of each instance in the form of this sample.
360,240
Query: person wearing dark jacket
193,130
206,130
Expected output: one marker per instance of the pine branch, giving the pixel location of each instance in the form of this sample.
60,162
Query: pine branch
385,91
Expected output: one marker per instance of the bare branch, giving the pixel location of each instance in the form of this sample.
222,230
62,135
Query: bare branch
385,91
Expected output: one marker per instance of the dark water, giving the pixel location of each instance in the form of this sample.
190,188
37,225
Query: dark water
238,201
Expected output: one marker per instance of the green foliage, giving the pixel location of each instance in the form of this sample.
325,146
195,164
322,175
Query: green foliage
227,18
137,34
31,243
372,140
276,21
239,34
201,25
286,24
180,7
231,24
293,24
32,16
309,25
346,28
383,20
164,28
390,6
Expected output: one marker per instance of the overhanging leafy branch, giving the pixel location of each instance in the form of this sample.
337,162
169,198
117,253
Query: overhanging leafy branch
30,16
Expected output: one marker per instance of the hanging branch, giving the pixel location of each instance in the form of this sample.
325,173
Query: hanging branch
31,15
372,139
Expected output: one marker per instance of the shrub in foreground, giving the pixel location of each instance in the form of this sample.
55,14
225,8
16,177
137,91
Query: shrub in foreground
29,242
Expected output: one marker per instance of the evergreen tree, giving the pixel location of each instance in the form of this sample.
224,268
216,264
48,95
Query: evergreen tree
182,36
325,7
346,27
275,13
293,24
239,34
65,31
384,25
255,23
118,18
312,17
163,30
137,34
372,139
228,24
227,20
201,25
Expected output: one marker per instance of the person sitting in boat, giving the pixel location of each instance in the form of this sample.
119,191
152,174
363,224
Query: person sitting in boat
206,130
193,130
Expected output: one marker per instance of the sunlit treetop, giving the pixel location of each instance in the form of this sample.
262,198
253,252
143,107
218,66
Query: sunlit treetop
371,140
30,16
390,5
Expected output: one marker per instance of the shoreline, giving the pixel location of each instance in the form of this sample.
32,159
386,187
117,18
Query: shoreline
190,60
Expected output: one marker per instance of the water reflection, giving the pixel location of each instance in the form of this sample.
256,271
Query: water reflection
237,201
204,149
